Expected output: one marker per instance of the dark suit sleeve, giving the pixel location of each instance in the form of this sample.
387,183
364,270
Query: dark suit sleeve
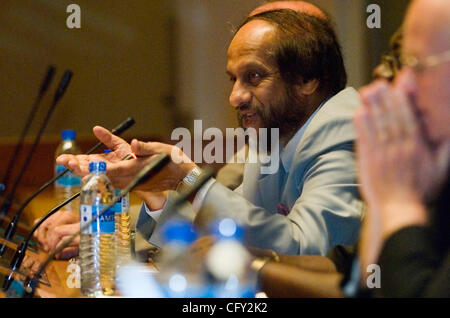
411,266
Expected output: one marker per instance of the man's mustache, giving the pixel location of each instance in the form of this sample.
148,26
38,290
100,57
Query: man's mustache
245,108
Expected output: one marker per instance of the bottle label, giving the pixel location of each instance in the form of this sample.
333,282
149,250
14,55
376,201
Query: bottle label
68,179
123,205
103,225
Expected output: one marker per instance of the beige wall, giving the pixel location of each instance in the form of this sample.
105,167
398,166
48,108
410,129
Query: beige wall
161,61
119,57
204,32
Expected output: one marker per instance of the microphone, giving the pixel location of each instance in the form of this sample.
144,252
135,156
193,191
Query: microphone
43,89
11,229
148,171
65,80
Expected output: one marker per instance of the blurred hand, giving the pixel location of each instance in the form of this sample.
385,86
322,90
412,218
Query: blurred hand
58,235
154,200
398,169
30,263
396,162
59,218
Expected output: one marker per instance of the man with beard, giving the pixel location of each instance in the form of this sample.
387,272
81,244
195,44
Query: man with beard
287,72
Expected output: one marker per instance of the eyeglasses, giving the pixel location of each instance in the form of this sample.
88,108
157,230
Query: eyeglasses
429,61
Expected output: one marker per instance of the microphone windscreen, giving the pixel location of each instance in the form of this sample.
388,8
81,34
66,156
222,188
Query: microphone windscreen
65,80
47,80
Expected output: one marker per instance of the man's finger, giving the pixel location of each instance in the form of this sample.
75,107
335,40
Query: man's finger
407,119
64,159
56,235
72,162
74,243
107,138
374,100
141,148
68,253
125,168
393,123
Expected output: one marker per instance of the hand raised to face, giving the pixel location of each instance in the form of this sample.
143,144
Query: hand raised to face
398,168
395,159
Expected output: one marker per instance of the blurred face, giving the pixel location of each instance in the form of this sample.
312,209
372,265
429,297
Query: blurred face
430,85
259,95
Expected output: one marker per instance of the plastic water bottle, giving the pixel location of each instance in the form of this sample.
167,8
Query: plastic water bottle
228,263
122,230
181,273
97,242
68,184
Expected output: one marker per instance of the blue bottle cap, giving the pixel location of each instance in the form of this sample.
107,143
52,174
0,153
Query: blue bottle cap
97,166
179,231
68,134
227,228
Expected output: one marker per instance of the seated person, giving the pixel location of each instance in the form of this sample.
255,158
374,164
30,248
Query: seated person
403,161
311,203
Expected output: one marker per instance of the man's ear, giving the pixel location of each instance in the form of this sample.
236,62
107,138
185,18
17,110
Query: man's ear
307,88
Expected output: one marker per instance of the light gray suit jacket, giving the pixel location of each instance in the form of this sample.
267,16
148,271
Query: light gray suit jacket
319,192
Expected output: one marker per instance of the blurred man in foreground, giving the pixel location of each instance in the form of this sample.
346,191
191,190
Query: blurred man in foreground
403,160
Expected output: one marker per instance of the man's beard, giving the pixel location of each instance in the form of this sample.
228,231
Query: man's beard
287,114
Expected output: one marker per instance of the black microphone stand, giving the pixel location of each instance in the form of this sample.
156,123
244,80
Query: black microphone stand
44,86
59,93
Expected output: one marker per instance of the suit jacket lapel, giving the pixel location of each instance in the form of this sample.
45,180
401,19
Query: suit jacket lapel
261,189
269,190
250,183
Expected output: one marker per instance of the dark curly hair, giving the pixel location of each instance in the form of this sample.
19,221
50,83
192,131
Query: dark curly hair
306,48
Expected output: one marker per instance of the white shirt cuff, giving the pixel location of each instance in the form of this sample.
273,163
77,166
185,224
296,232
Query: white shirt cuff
201,194
154,214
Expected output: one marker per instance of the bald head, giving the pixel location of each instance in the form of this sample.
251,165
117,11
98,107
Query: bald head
299,6
426,33
427,25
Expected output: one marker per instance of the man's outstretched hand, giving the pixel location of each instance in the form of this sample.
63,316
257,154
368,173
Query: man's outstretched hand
122,172
79,164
